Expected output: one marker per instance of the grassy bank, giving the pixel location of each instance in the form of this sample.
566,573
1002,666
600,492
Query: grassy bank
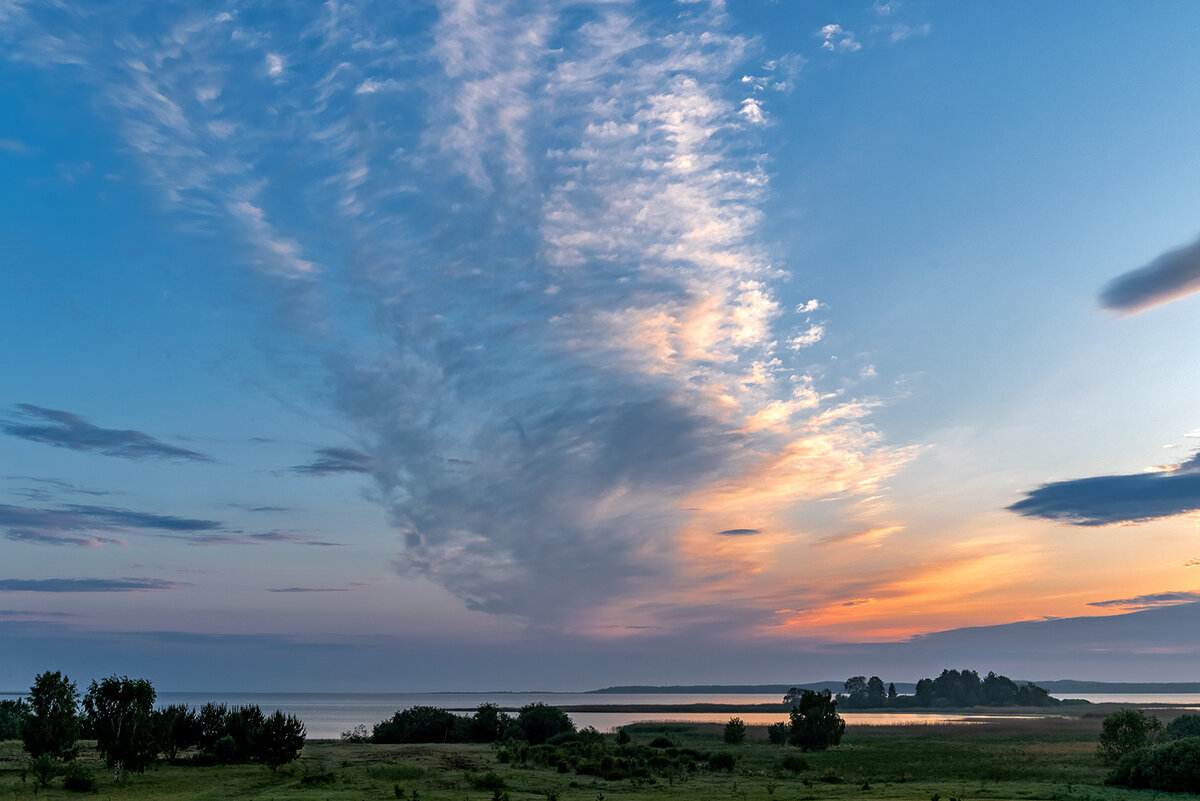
1026,760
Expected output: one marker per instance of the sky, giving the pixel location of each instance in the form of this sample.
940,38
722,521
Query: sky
552,345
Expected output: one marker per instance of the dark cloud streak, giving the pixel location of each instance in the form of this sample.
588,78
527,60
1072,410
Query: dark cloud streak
1172,275
87,585
66,430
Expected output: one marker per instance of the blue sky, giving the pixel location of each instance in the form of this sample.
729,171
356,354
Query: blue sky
601,335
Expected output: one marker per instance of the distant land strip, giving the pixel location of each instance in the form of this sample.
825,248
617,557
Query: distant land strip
1057,686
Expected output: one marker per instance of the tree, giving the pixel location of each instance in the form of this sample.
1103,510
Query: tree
815,724
1182,726
735,732
280,739
176,726
891,696
876,694
120,712
417,724
541,721
211,724
12,717
1127,732
487,724
52,726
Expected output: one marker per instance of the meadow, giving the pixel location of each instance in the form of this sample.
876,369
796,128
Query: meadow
1049,759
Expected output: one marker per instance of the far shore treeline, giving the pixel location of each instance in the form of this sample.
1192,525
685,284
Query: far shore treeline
953,688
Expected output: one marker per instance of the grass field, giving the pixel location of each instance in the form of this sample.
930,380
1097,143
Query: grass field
1022,760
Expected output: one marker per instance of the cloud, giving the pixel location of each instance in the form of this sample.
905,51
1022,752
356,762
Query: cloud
739,532
307,589
57,585
555,334
262,538
87,526
337,460
14,146
1104,500
66,430
1172,275
834,37
1150,601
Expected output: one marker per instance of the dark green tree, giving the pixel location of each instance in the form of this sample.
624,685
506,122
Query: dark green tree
52,726
418,724
12,716
211,723
1127,732
815,724
120,712
176,727
487,724
541,721
1180,727
891,696
280,739
876,694
735,732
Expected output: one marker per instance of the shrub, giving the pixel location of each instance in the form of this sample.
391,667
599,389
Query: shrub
488,781
1127,732
735,732
78,779
661,742
777,733
793,762
722,761
44,768
623,737
1184,726
541,721
1173,768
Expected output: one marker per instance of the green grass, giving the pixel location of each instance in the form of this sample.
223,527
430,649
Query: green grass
1027,760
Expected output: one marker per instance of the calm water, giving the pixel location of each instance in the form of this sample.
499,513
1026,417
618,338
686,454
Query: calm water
327,715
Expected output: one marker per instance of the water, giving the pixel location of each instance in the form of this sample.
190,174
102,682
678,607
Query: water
327,715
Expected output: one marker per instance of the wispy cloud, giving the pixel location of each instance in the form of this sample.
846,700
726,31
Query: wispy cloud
1150,601
66,430
1172,275
87,526
557,340
14,146
337,460
87,585
306,589
263,538
1104,500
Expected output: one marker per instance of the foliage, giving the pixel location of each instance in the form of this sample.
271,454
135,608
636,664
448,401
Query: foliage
777,733
1183,726
119,710
279,740
418,724
44,768
78,779
211,723
815,724
793,762
52,726
623,737
487,725
12,716
953,688
176,727
735,732
1127,732
541,721
1173,767
722,761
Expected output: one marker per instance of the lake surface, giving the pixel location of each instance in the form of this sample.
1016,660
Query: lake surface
327,715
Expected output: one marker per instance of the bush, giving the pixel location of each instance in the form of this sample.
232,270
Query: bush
1172,768
777,733
12,715
1184,726
78,779
735,732
661,742
488,781
1126,733
722,761
794,763
44,768
540,722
